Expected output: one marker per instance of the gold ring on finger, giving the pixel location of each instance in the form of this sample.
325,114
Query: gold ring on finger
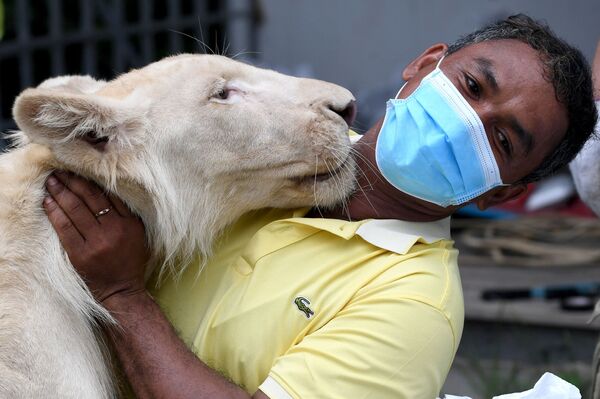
103,212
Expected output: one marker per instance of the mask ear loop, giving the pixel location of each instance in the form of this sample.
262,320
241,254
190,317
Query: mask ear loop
440,61
436,67
403,86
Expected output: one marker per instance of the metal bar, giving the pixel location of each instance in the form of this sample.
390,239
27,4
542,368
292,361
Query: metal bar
131,57
12,47
107,9
87,30
22,48
118,47
238,29
174,38
115,31
57,55
146,39
254,20
198,13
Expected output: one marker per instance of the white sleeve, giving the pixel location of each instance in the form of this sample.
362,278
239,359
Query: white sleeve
273,389
585,169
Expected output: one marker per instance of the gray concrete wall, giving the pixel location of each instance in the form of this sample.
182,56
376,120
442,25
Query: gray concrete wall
364,44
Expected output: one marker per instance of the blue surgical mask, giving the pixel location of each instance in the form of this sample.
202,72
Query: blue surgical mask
433,146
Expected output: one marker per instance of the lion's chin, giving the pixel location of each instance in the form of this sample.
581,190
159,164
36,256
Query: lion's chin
329,174
328,189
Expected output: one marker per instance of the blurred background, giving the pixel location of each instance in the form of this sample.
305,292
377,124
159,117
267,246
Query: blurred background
364,45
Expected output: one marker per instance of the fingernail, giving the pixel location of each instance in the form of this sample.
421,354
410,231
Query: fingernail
48,200
52,181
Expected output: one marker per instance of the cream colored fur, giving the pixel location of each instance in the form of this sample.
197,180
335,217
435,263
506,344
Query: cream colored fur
193,142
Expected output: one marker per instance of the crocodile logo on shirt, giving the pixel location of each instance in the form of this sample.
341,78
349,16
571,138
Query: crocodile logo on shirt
302,304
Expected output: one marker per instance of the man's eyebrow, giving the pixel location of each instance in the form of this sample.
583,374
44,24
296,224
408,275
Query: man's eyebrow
525,137
486,68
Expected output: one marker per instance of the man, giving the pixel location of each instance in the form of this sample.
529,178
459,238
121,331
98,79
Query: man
306,307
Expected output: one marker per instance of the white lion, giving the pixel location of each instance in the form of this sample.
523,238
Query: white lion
189,143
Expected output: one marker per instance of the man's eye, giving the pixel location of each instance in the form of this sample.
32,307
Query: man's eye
473,86
503,142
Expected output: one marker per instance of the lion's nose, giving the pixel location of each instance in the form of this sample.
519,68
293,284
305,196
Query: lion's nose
348,113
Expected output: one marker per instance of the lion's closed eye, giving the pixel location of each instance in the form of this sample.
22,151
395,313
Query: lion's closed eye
219,90
224,93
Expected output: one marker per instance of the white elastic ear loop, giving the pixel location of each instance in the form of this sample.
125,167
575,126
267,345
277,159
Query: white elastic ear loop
403,86
440,62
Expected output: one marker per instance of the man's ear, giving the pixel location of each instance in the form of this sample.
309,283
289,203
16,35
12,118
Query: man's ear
432,55
500,195
53,116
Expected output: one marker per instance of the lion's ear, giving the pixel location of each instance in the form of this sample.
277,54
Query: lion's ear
55,115
73,83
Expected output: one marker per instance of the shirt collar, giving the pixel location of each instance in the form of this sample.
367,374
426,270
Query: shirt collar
393,235
399,235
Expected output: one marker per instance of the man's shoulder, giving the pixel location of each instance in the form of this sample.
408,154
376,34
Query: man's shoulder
427,274
251,222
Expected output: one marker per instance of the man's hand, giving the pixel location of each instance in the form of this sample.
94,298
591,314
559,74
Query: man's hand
108,250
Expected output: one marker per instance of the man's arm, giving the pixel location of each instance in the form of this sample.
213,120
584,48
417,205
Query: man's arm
110,254
155,360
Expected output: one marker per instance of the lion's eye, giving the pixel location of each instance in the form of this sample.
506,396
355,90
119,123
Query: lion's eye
223,94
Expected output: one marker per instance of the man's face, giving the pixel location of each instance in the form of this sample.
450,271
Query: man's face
504,82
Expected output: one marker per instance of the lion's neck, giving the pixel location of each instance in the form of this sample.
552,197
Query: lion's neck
181,219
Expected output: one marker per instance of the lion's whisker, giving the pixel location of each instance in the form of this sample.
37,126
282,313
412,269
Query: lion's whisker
315,185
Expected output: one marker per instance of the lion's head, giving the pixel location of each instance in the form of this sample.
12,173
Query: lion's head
198,139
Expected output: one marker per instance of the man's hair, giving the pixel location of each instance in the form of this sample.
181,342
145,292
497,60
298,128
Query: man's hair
568,71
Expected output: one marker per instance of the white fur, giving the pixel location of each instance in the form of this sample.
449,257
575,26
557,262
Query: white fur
185,160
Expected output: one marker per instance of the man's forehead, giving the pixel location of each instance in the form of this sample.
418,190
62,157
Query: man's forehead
500,52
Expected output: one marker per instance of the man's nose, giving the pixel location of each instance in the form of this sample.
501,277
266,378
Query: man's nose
485,112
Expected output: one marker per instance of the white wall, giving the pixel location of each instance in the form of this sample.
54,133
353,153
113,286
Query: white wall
362,43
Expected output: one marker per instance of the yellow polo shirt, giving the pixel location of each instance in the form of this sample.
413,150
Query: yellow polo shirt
324,308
